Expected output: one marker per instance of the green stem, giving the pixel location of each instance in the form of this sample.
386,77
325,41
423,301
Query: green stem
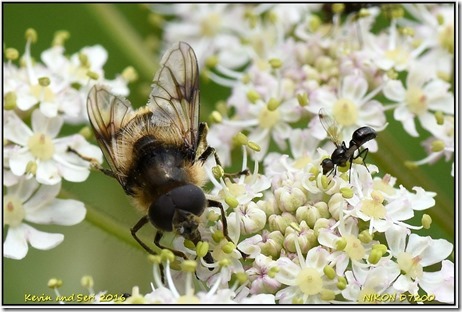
106,223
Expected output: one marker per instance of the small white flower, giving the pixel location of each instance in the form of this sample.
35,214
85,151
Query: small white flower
31,202
423,94
306,279
364,280
41,148
413,256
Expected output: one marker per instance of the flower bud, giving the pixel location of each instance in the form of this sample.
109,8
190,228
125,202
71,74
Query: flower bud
280,222
253,219
290,198
309,214
272,246
304,235
321,223
336,205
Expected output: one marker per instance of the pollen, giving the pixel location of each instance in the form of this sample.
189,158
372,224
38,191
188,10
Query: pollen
41,146
354,248
268,118
374,207
13,210
345,112
410,265
309,281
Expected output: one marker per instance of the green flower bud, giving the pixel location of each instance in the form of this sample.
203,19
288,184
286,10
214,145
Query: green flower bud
280,222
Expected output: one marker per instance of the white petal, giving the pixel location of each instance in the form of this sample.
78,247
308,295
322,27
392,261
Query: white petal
24,189
441,283
46,125
26,101
54,59
97,56
429,250
250,246
422,200
407,119
47,173
49,109
354,88
15,129
396,238
71,172
59,211
44,195
43,240
15,245
288,271
394,90
18,161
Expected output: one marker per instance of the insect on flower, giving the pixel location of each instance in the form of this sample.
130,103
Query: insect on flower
157,152
342,153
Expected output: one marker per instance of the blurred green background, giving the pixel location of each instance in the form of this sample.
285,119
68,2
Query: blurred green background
116,266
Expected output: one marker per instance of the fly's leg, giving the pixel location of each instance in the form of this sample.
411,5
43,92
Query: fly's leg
94,163
215,203
142,222
208,150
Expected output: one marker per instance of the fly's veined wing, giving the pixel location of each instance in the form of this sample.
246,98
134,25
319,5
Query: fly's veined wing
331,127
174,99
108,113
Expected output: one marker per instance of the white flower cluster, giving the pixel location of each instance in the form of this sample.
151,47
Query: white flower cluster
39,98
311,238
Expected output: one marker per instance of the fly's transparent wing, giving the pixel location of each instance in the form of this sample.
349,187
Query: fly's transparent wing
331,127
108,114
174,99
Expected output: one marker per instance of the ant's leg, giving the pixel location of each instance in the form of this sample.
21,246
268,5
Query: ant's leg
225,222
365,152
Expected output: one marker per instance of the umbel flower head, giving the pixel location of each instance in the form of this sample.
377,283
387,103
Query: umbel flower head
296,233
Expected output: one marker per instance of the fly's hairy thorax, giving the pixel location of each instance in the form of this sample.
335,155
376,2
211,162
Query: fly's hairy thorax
159,167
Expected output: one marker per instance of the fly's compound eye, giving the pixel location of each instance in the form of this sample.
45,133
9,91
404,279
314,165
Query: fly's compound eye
189,198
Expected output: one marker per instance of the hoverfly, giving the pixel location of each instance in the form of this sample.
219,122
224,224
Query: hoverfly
157,152
342,153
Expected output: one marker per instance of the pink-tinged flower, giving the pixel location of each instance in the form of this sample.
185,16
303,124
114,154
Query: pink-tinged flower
440,283
31,202
413,253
